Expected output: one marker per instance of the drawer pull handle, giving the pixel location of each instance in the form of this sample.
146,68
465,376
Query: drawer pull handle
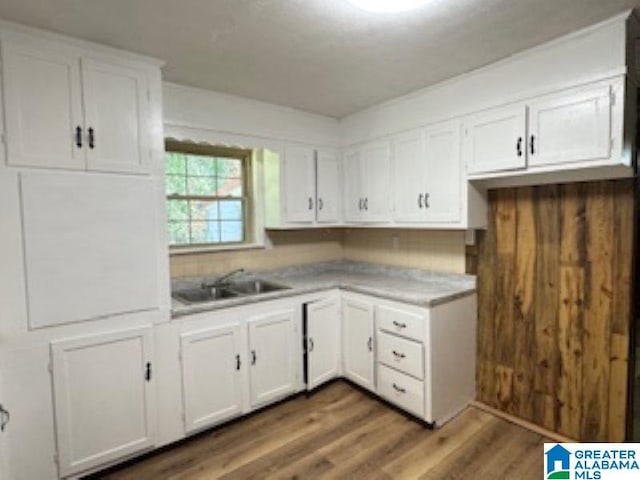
399,389
400,325
398,355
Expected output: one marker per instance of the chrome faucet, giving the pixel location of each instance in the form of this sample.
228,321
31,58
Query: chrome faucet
220,281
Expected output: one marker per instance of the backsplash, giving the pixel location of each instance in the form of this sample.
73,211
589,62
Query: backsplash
424,249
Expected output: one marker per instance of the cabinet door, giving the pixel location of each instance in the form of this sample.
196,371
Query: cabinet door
377,185
570,127
328,186
299,184
43,105
104,397
272,356
442,196
409,176
211,376
495,140
357,335
353,197
116,109
323,342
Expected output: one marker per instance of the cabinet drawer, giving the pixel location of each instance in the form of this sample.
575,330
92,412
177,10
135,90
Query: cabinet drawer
401,322
402,390
401,354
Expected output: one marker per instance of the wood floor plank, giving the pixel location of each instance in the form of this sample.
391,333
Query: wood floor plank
342,433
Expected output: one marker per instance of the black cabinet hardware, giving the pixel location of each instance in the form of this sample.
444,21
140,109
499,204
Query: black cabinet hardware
366,204
310,203
532,144
420,200
147,372
311,344
360,204
238,364
398,355
370,344
519,146
320,204
400,325
4,418
254,358
92,138
78,136
399,389
426,201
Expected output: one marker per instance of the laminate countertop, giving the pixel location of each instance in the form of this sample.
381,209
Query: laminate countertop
423,288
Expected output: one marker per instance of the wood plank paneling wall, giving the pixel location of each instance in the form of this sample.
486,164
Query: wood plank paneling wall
554,291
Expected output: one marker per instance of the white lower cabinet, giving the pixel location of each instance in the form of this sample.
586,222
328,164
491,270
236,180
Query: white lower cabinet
272,355
358,342
323,334
104,397
211,376
403,390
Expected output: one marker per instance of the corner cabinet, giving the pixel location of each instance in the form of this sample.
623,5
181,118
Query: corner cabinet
70,108
104,397
322,341
358,341
302,187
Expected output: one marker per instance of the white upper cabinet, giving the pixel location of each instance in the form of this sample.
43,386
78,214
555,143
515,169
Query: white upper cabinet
299,184
427,175
410,174
115,99
570,127
442,199
272,356
43,105
302,187
66,108
323,341
328,182
211,376
496,140
104,397
352,200
367,184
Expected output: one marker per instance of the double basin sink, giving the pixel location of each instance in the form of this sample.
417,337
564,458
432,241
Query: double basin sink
224,291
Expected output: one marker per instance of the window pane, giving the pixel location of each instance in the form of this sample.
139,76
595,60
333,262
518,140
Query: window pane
205,232
178,233
176,185
178,209
198,165
231,232
175,163
229,167
204,186
229,187
230,210
204,211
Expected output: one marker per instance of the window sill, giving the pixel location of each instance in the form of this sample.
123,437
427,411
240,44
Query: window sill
174,251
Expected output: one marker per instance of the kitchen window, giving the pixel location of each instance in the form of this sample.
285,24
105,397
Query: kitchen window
207,195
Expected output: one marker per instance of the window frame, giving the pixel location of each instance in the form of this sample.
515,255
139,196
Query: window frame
247,198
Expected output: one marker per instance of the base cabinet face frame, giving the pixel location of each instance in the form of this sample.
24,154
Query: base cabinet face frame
114,370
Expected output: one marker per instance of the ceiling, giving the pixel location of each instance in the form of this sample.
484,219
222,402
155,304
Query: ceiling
321,56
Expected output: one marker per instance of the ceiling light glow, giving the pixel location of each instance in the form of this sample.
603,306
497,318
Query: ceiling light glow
388,6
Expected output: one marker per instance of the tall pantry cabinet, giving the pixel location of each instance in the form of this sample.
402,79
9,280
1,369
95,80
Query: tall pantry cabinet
82,209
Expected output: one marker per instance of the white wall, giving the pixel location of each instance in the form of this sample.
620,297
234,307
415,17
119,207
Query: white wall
228,119
593,53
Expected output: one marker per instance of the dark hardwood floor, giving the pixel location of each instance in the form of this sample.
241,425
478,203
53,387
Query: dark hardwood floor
340,432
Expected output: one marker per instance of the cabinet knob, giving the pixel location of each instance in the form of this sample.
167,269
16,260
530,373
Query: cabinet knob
519,146
426,201
420,201
360,204
254,358
366,203
370,344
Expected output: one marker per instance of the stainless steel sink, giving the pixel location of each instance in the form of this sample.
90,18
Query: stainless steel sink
207,293
199,295
254,287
